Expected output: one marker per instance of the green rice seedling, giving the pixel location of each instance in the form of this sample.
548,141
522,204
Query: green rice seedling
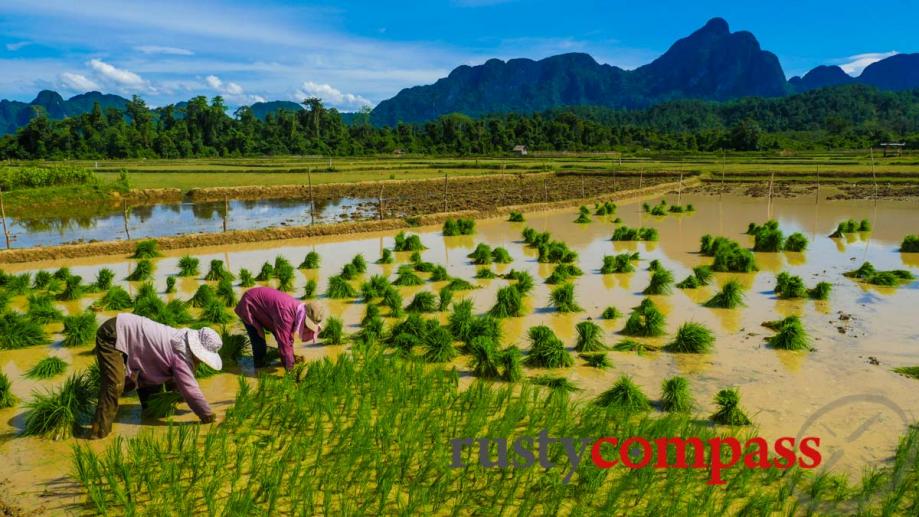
266,273
309,290
245,278
375,287
486,359
910,244
410,242
444,298
546,349
661,282
339,288
225,293
215,312
7,399
438,346
424,301
631,345
796,242
690,282
170,284
734,259
790,335
415,257
393,300
104,279
285,275
563,272
908,371
563,300
596,359
606,208
789,286
485,274
41,280
439,274
73,289
500,255
163,404
332,332
359,263
556,252
659,210
481,255
515,217
868,274
47,368
555,383
189,266
62,273
624,395
692,338
864,272
41,309
143,271
621,263
405,276
583,210
731,296
115,299
410,332
280,262
372,312
655,265
729,411
645,321
146,290
80,329
459,284
233,346
348,272
203,371
454,227
624,233
386,257
485,325
310,261
847,226
54,413
821,291
610,313
701,275
864,225
523,280
147,249
675,395
582,218
460,320
5,298
509,303
590,337
424,267
511,360
203,296
217,271
529,236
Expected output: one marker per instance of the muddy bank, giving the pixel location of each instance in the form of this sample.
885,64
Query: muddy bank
397,216
828,191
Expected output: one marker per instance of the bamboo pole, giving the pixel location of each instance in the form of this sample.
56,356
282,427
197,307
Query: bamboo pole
6,232
124,215
679,192
641,177
309,179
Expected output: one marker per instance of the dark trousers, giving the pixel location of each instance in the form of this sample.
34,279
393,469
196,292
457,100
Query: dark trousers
259,346
111,373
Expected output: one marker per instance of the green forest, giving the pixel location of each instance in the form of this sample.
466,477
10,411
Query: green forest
844,117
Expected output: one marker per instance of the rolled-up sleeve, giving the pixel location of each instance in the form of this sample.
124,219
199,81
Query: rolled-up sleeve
188,387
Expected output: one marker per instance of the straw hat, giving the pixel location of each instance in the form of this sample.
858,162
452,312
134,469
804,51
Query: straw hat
314,316
205,344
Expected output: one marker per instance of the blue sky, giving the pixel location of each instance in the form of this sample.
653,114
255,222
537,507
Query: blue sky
358,53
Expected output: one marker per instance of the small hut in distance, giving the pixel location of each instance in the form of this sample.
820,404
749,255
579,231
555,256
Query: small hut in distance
520,149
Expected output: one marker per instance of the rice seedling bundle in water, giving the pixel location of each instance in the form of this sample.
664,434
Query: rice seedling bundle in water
459,284
115,299
661,282
509,303
217,271
7,399
438,345
375,287
454,227
511,359
393,300
796,242
444,298
163,404
590,337
692,338
146,250
555,383
47,368
481,254
486,360
189,266
730,297
460,320
18,331
54,413
606,208
675,395
523,281
730,257
339,288
439,274
104,278
285,275
310,261
485,325
908,371
348,272
309,290
386,257
555,252
41,280
821,291
41,309
582,218
910,244
631,345
203,296
847,226
655,265
500,255
563,300
332,331
546,349
790,335
596,359
80,329
424,301
62,273
170,284
789,286
768,240
405,276
143,271
359,263
225,293
624,395
245,278
515,217
868,274
563,272
215,312
73,289
610,313
729,411
646,320
266,273
409,242
16,284
625,233
621,263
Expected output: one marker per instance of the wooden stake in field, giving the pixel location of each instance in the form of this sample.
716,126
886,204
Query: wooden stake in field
721,194
309,179
124,215
226,211
874,176
545,188
381,202
769,204
6,232
445,190
679,192
641,177
817,197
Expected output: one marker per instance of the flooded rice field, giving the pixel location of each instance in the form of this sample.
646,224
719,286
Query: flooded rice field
844,391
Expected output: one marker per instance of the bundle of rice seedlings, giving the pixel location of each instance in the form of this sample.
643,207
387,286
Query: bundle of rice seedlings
621,263
596,359
310,261
104,279
555,252
339,288
115,299
655,265
73,289
729,411
821,291
625,395
692,338
226,293
546,349
62,273
454,227
145,290
645,321
558,384
511,360
515,217
690,282
563,272
375,287
730,297
18,331
188,266
386,257
7,399
80,329
631,345
371,313
485,325
266,273
41,309
529,236
406,276
359,263
439,274
163,404
481,254
610,313
215,312
332,331
54,413
562,299
203,371
486,359
47,368
410,332
438,346
309,290
908,371
348,272
910,244
41,280
789,286
280,262
245,278
701,275
146,250
582,218
661,282
444,297
203,296
233,347
459,284
790,334
675,395
143,271
523,280
424,267
590,337
864,226
218,272
415,257
867,273
393,300
460,320
624,233
16,284
485,274
424,301
410,242
285,275
170,284
607,208
509,303
796,242
848,226
500,255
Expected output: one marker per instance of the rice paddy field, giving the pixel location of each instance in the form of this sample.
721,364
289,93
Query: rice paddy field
699,315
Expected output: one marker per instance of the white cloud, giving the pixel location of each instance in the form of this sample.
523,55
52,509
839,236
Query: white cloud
78,82
330,95
13,47
853,65
117,75
171,51
228,88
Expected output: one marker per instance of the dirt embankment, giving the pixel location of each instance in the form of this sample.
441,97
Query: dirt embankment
831,191
480,207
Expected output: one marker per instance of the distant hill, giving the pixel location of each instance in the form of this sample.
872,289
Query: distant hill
262,109
15,114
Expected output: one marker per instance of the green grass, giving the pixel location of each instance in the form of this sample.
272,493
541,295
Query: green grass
632,345
730,296
7,399
80,329
625,396
546,349
646,320
729,411
590,337
676,396
558,384
692,338
563,300
47,368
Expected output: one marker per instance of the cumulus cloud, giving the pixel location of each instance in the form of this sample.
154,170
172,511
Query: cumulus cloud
330,95
226,88
117,75
13,47
171,51
853,65
78,82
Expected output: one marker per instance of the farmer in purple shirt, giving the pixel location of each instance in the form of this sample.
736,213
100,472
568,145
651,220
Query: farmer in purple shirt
264,308
136,352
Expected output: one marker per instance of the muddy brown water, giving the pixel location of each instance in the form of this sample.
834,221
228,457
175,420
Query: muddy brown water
858,409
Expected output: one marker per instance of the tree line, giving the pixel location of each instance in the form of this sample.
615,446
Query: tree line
844,117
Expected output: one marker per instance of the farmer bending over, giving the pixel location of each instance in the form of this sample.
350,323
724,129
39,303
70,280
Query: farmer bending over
264,308
136,352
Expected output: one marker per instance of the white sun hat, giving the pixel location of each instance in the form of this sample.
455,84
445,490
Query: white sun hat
205,344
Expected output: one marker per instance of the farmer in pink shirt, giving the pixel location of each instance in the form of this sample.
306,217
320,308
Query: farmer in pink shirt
136,352
264,308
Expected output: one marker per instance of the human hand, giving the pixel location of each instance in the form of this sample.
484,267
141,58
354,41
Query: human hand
298,359
209,419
